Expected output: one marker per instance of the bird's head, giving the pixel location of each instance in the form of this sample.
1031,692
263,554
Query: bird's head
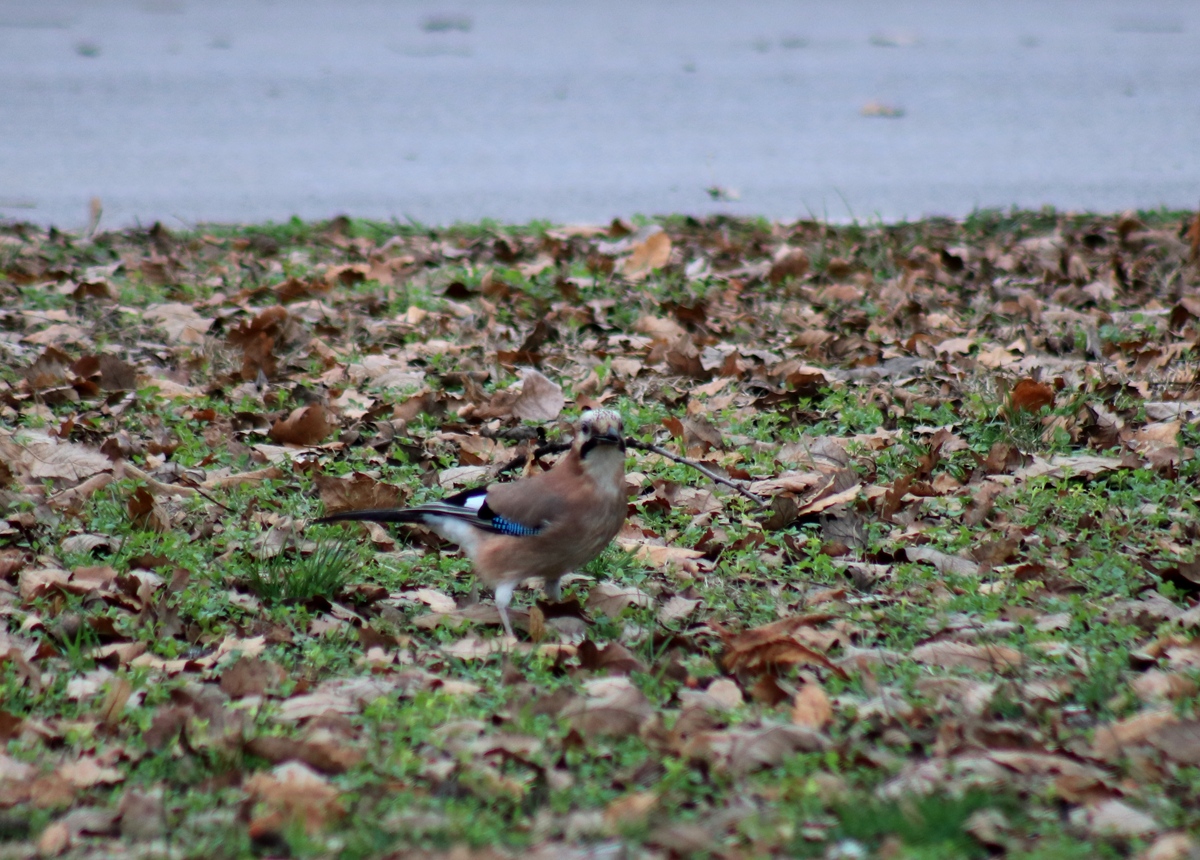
600,429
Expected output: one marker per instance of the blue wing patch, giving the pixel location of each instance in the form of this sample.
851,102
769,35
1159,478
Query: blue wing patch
507,527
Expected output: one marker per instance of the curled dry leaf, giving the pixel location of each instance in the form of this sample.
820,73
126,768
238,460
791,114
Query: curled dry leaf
811,707
659,556
611,706
1117,818
650,254
540,398
87,772
293,792
39,456
307,425
358,492
1028,395
943,561
629,810
773,646
744,750
251,676
789,263
1111,741
181,322
984,658
677,609
612,599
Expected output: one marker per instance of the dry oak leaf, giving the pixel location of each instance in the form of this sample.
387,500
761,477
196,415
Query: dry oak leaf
943,561
1117,818
1179,741
741,751
293,792
945,774
179,321
38,582
725,693
788,263
88,772
320,748
253,478
14,770
436,600
650,254
658,556
632,808
304,426
811,707
358,492
55,839
612,599
1110,742
984,658
1171,846
540,399
766,648
251,676
662,329
677,609
43,456
1028,395
611,706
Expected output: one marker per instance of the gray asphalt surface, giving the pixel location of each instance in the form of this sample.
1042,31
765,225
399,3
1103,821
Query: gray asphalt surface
578,111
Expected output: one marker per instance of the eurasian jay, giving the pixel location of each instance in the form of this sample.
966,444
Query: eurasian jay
545,525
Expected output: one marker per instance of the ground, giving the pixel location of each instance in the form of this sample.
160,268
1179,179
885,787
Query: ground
940,601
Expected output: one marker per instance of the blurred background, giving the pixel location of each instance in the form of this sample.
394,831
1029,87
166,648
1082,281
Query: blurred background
578,111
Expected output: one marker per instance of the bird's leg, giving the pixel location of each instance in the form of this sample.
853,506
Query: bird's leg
554,590
504,593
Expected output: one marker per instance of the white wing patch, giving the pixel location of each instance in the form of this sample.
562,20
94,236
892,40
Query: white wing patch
474,503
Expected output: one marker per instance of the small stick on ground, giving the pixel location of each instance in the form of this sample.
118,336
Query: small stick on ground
708,473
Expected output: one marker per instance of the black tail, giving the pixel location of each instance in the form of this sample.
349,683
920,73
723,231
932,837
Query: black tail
393,515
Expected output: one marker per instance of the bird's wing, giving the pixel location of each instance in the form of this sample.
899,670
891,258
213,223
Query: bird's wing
471,507
533,503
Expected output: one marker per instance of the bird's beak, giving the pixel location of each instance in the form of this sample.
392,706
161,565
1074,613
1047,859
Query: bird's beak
610,437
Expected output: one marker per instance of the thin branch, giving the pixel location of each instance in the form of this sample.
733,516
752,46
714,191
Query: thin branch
169,489
708,473
520,460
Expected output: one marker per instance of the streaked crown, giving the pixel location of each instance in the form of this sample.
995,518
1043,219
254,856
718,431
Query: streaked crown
601,427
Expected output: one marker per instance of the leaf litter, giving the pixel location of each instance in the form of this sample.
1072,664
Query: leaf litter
938,543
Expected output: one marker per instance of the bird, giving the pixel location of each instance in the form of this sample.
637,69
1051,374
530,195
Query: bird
542,526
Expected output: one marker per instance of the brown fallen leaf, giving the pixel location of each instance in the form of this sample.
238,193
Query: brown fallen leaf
251,676
788,263
1029,395
630,809
612,599
1111,741
650,254
293,792
611,706
304,426
1117,818
55,839
357,492
540,398
766,649
88,772
984,658
811,707
741,751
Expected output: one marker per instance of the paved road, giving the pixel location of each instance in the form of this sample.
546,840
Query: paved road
579,110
